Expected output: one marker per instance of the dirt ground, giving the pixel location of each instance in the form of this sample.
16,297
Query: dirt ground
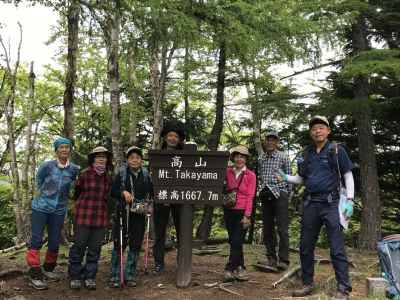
206,269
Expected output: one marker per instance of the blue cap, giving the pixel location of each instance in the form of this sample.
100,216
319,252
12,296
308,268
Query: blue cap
61,141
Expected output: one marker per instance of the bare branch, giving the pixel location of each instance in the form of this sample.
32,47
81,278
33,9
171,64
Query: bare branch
335,62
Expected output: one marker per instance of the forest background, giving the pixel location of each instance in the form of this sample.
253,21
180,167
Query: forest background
231,70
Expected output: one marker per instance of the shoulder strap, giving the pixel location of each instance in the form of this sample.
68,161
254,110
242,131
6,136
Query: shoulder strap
306,152
334,151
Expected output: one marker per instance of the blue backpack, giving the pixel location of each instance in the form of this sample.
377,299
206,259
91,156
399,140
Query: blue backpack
389,259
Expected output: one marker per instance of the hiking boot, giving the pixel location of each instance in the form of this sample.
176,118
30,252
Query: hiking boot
52,276
114,282
241,274
306,290
36,279
90,284
75,284
131,282
282,266
340,295
228,276
269,262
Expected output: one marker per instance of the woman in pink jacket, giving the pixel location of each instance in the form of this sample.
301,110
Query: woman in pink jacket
241,185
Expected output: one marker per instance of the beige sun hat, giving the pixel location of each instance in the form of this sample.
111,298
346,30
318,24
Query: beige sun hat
100,149
239,149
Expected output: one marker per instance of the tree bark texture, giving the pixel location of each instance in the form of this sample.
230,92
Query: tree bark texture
70,79
371,213
113,27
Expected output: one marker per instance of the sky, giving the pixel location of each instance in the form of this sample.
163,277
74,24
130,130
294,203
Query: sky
36,25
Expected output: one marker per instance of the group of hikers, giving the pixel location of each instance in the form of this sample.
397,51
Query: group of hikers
323,167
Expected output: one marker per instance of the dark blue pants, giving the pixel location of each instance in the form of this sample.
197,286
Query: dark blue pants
87,241
316,214
236,235
54,225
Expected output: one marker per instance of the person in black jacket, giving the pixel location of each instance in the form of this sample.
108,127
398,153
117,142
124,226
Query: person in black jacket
132,189
173,135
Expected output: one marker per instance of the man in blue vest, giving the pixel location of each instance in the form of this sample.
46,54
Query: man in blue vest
321,169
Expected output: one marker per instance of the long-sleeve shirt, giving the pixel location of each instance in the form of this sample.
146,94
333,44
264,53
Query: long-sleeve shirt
245,191
91,195
348,182
268,166
54,184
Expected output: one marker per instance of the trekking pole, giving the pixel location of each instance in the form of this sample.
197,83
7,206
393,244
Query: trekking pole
121,251
146,250
127,208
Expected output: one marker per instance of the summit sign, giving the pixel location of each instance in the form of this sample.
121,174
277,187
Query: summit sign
188,177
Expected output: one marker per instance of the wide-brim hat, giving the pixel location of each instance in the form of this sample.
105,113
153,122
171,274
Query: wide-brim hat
239,149
134,149
318,120
175,126
100,149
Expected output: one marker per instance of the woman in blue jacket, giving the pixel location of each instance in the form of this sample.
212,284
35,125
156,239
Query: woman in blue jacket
54,179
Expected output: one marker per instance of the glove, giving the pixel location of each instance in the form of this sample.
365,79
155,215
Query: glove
281,176
348,208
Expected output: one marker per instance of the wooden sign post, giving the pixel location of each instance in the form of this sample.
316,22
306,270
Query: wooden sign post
186,178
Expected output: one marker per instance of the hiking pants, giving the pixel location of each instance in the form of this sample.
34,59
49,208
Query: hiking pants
275,213
87,242
316,214
236,235
54,224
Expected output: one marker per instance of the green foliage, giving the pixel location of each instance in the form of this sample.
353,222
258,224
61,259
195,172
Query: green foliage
7,220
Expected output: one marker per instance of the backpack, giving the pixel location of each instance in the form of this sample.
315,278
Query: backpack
123,173
389,259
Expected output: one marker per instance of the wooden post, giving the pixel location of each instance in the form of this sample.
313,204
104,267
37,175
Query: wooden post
184,275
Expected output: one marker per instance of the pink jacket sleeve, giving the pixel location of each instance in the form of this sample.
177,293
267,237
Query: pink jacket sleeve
251,193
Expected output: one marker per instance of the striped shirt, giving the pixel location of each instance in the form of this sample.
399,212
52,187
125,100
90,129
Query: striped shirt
268,166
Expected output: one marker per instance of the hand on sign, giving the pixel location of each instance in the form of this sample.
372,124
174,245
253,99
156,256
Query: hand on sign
127,197
245,222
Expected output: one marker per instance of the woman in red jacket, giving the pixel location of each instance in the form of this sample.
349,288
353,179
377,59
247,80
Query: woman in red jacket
240,191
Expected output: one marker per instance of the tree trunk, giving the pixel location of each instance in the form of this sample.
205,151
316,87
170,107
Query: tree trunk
371,213
158,81
253,100
27,189
113,26
204,229
156,93
70,80
186,90
132,95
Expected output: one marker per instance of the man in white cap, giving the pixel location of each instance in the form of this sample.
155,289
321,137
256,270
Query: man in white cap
321,169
